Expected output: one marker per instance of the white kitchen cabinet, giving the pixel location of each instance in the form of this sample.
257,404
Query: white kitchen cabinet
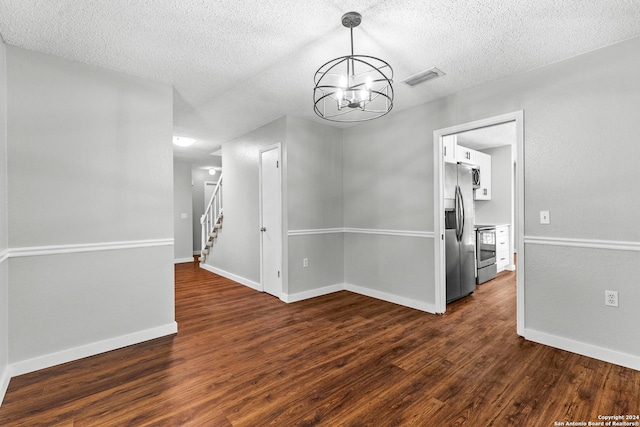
465,155
449,143
483,161
503,252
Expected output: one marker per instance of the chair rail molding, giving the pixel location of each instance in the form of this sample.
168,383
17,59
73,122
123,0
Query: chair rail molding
84,247
376,231
619,245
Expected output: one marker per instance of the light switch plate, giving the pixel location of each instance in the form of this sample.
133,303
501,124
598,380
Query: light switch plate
544,217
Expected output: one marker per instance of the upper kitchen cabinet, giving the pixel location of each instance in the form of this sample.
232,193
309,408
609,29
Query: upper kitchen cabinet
483,161
465,155
449,148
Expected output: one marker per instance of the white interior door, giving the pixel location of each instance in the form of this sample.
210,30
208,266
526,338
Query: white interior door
271,221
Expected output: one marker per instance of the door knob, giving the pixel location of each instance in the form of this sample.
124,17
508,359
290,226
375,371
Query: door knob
263,229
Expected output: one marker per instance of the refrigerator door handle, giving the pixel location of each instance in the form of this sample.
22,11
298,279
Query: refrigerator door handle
458,213
461,215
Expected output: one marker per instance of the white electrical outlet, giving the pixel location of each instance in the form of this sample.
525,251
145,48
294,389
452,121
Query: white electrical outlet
611,298
305,262
544,217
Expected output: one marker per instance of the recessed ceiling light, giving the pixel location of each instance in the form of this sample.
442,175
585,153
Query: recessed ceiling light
182,141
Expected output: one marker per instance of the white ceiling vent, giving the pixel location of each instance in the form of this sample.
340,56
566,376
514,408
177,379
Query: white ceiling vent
423,76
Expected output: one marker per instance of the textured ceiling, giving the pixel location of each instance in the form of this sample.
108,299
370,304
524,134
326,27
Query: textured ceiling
489,137
237,64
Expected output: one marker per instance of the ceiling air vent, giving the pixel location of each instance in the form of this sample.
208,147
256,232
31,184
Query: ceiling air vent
430,74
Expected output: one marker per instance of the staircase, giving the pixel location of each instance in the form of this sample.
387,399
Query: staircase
211,221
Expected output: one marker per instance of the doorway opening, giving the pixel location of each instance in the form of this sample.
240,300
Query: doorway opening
477,136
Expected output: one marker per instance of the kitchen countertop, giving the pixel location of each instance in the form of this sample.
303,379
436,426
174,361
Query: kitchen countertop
477,226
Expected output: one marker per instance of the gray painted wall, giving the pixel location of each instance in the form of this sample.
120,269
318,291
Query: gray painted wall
89,161
315,201
580,160
182,227
199,177
97,170
388,185
91,297
237,249
4,271
498,209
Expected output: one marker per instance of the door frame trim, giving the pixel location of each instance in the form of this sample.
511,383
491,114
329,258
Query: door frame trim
438,195
276,146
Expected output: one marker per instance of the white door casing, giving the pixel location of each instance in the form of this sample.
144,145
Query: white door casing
271,220
518,222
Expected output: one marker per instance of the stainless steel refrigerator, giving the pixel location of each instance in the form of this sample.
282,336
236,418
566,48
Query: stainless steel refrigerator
460,237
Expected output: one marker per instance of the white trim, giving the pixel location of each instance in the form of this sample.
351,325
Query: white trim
404,233
299,296
231,276
617,245
86,247
64,356
181,260
315,231
589,350
376,231
4,255
4,382
438,195
396,299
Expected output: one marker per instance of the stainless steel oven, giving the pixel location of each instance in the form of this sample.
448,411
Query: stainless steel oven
486,253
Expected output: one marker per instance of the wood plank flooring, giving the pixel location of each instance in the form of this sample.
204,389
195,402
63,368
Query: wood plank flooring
244,358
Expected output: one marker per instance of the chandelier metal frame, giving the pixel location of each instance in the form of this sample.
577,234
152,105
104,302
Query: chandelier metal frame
344,93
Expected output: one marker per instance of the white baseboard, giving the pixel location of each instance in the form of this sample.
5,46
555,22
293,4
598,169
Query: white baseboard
4,382
299,296
181,260
53,359
589,350
231,276
396,299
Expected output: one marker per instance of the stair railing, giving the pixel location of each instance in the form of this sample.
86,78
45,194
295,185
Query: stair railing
212,214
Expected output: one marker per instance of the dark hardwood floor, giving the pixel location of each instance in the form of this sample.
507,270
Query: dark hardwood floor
243,358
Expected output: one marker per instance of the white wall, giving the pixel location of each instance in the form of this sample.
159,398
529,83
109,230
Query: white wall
182,227
90,166
4,271
498,209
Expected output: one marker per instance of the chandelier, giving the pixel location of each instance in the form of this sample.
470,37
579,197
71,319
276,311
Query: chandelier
353,88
